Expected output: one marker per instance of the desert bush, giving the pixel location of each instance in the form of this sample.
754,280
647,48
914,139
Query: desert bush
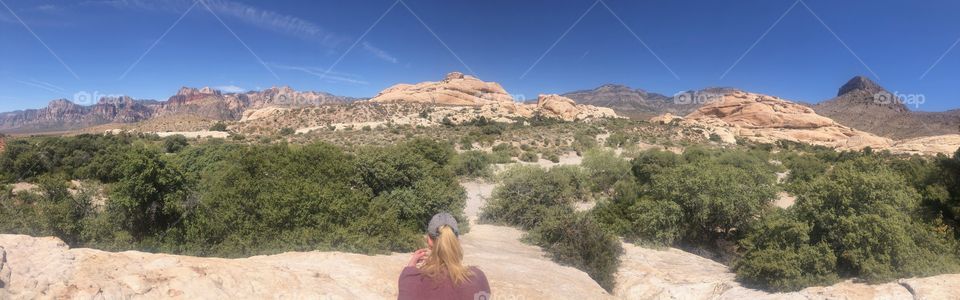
503,153
781,257
804,168
867,216
529,156
620,139
219,126
235,200
472,164
651,162
605,168
583,141
552,157
174,143
539,200
575,239
526,193
715,199
693,202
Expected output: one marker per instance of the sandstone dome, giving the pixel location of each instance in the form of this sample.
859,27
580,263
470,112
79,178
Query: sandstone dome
455,89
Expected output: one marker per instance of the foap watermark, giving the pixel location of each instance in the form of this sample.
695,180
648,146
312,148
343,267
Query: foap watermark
886,98
689,97
88,98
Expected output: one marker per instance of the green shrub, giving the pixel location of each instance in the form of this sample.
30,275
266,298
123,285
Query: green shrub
540,200
781,257
652,162
529,156
289,131
583,141
552,157
219,126
805,168
472,164
605,168
503,153
715,199
525,195
234,200
575,239
619,140
466,142
868,217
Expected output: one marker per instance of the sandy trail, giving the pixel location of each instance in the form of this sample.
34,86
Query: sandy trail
478,192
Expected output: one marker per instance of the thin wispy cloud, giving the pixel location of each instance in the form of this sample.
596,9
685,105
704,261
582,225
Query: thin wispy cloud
43,85
379,53
323,73
48,8
230,89
261,18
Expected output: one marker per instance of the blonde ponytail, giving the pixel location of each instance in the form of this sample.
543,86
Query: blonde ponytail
446,258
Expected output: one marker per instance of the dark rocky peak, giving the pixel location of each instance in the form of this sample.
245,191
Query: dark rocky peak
61,104
613,87
124,100
192,92
860,83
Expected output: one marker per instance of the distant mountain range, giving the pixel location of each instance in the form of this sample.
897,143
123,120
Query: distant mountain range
629,102
860,103
206,103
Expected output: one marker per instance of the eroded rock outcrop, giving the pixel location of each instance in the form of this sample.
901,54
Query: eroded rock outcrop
556,106
768,119
454,89
931,145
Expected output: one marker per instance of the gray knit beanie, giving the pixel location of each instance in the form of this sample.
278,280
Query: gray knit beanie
438,221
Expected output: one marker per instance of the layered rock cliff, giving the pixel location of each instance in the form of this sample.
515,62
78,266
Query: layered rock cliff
61,114
204,103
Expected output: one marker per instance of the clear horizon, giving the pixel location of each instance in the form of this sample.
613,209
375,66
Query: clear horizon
801,50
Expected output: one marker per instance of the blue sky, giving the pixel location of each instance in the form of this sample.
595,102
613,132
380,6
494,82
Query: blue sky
109,47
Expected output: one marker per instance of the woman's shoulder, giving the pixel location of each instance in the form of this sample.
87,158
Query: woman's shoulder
477,272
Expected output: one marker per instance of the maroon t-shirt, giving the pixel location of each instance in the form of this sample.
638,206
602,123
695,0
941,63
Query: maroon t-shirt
416,285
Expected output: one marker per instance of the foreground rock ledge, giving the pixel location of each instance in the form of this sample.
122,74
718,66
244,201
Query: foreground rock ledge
45,268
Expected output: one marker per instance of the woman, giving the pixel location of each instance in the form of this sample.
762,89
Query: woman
441,273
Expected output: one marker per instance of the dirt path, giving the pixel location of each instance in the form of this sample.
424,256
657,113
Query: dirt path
478,191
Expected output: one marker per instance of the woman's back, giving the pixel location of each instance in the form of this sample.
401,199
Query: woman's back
416,285
438,272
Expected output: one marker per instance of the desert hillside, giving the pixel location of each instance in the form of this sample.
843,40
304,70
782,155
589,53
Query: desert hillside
865,105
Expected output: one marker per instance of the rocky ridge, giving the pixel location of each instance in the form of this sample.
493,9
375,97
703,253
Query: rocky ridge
767,119
203,103
61,115
865,105
487,99
634,103
455,89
